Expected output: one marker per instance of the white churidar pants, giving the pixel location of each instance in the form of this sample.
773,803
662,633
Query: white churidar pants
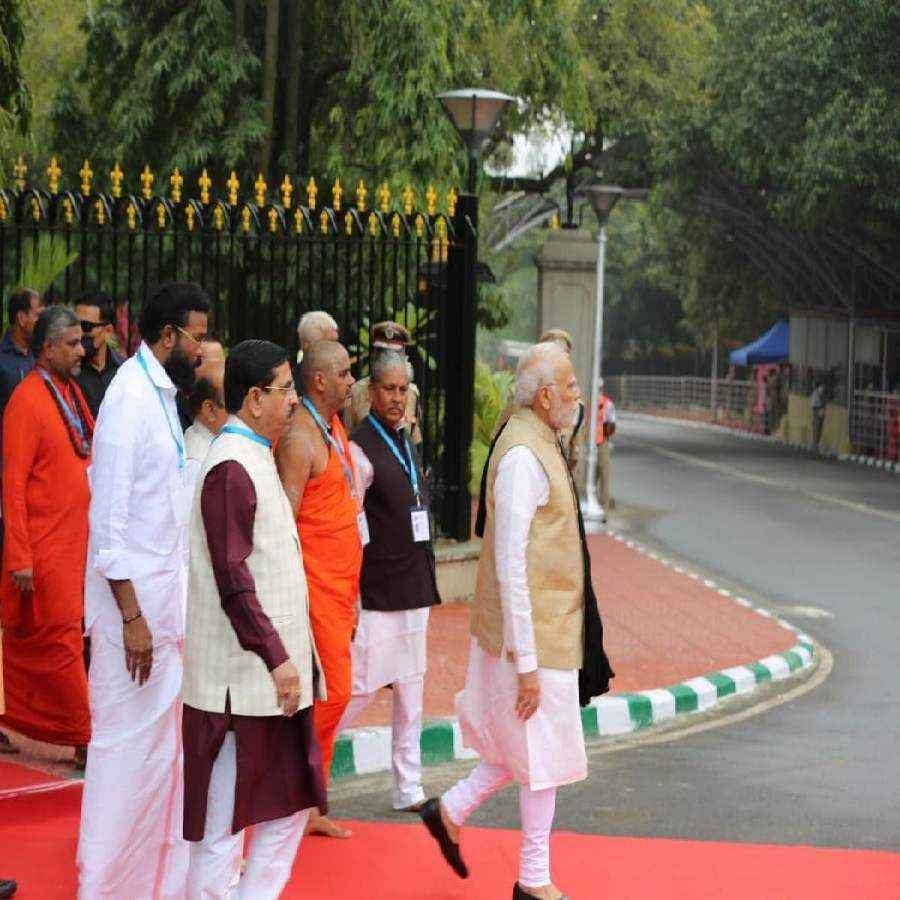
216,859
130,842
536,810
406,734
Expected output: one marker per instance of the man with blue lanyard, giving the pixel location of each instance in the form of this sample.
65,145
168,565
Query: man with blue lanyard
130,844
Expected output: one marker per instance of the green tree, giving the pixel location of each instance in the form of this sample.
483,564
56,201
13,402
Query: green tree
15,100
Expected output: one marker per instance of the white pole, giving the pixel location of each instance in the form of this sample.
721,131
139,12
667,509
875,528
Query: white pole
714,374
590,507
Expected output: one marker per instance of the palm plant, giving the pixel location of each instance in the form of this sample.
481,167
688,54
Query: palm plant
492,392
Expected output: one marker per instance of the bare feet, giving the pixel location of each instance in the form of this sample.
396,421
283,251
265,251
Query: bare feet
6,745
319,824
80,757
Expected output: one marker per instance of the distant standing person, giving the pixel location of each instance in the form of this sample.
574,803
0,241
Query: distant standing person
130,841
97,314
207,402
818,403
397,584
251,755
315,325
46,451
606,428
386,337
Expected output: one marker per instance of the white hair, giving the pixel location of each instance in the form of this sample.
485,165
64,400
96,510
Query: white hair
313,326
387,360
536,368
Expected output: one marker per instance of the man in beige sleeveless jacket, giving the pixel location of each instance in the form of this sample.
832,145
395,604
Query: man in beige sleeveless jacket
519,707
250,752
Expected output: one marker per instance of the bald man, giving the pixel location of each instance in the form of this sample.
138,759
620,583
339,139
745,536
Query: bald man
317,473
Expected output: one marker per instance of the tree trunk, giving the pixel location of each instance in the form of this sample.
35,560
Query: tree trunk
292,88
270,78
240,20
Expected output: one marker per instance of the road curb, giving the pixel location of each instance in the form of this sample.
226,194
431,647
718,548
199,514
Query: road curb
365,751
871,462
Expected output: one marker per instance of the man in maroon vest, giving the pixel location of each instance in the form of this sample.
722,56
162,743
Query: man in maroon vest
397,584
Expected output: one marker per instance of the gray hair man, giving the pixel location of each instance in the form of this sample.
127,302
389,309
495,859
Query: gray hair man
397,582
315,325
519,708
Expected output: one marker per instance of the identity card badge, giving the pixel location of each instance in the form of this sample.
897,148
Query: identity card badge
421,527
362,523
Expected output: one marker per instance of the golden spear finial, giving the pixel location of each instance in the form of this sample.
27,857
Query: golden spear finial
323,222
273,219
311,191
361,194
35,210
176,182
116,177
3,210
260,187
395,225
420,226
68,213
287,189
218,218
146,182
384,195
53,173
101,212
189,214
452,197
408,196
245,218
86,173
205,183
373,224
161,215
20,170
298,220
131,216
337,192
431,200
233,185
554,222
348,223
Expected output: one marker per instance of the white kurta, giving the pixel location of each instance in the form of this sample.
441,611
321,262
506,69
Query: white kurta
130,842
547,750
197,440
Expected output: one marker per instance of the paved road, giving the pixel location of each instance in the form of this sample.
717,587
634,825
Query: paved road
788,530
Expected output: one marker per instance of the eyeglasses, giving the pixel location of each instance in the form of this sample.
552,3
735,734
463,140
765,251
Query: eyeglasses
88,327
290,391
198,341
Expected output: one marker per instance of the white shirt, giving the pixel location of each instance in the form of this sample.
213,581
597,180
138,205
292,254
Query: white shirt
521,486
140,503
197,440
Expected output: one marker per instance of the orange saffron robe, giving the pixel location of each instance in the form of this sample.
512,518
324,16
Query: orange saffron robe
45,516
332,558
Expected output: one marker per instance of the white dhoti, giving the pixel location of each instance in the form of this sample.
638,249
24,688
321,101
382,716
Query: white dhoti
545,751
130,842
390,649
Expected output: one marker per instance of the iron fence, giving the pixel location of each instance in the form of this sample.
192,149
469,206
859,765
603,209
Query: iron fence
265,262
875,425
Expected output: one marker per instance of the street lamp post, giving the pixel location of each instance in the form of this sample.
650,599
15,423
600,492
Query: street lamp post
474,113
602,199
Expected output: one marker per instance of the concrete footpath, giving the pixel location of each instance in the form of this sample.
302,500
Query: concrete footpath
679,644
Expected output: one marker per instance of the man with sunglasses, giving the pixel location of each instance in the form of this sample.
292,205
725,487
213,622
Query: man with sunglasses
130,844
96,311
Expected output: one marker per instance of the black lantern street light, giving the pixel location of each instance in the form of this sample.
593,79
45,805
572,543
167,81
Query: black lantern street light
474,113
602,198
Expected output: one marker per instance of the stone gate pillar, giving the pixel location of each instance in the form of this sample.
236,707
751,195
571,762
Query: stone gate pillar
567,278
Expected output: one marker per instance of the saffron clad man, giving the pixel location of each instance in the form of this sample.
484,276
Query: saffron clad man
520,705
249,656
398,584
130,843
317,472
46,451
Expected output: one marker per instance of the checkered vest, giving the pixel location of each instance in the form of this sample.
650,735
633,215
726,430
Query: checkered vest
215,666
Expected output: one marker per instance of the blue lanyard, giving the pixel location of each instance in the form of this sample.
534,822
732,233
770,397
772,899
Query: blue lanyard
179,442
336,444
408,465
247,433
69,411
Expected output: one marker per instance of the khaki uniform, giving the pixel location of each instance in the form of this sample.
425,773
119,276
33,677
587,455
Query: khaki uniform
359,409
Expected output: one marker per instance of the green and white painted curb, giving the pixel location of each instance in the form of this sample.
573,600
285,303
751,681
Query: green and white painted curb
363,751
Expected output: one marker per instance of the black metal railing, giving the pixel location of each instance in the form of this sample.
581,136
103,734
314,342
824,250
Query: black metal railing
264,264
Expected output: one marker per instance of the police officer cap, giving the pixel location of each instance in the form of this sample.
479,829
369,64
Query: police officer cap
389,336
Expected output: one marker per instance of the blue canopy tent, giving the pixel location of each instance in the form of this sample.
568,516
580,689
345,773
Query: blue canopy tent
772,347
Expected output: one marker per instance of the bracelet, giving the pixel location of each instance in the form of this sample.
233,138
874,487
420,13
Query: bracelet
133,618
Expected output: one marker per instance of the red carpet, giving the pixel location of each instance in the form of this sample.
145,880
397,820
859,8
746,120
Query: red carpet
400,862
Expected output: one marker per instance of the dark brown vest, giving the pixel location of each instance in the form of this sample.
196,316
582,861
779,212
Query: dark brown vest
396,572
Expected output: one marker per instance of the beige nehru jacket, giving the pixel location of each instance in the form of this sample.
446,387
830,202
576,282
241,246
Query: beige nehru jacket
215,666
554,563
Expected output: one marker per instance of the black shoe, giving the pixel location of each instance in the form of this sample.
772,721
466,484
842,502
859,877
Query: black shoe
431,816
8,888
519,894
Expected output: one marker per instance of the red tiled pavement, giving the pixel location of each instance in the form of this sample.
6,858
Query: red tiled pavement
660,628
